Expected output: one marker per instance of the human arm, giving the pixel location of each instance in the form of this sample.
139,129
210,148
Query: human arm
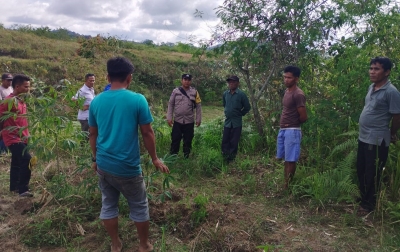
302,114
150,144
77,97
8,109
393,98
198,109
395,127
198,114
93,133
171,106
246,105
2,120
83,97
2,108
300,101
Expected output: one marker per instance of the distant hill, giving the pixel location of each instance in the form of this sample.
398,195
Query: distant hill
51,55
72,34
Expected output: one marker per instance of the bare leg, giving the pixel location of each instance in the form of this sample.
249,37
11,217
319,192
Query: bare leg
111,226
290,169
143,232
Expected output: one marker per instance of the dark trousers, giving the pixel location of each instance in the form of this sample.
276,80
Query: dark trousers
370,161
179,131
85,128
84,125
20,174
3,147
230,142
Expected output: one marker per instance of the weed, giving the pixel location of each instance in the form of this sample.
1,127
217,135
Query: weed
163,246
200,213
210,162
269,247
393,208
246,186
166,181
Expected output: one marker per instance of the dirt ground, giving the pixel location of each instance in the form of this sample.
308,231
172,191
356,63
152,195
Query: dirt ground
235,221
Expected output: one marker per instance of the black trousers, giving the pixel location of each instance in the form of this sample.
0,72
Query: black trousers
230,142
85,128
84,125
20,174
179,131
370,162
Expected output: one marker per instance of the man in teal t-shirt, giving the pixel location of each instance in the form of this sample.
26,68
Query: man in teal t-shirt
114,119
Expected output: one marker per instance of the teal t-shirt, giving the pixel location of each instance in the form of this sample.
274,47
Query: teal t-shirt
117,115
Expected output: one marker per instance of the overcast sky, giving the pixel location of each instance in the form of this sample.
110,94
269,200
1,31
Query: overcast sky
157,20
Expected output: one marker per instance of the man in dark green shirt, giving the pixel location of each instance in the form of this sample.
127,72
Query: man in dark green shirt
236,104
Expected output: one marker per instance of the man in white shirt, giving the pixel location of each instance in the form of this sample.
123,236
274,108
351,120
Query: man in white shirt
6,88
86,92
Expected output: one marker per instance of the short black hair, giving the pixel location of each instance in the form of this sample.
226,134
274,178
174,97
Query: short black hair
296,71
88,75
19,79
384,61
118,68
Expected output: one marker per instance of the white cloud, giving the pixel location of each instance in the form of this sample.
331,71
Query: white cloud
158,20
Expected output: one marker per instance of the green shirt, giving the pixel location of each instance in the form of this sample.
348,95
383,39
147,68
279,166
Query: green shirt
236,105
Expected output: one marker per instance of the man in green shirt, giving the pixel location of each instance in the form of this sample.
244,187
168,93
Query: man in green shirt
236,104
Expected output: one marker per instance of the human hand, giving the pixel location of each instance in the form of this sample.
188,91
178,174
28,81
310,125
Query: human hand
198,124
160,166
85,107
393,138
170,123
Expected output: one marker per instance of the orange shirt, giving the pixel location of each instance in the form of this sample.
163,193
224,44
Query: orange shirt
15,127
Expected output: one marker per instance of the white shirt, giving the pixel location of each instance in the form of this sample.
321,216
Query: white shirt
4,92
88,94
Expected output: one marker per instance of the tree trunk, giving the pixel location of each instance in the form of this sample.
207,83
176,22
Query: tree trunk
257,118
254,106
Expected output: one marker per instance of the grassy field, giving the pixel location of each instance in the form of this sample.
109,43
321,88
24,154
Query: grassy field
211,113
212,207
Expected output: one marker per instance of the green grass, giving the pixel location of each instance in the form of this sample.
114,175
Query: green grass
210,113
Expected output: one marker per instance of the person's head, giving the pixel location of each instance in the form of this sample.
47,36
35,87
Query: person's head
6,80
119,70
291,75
186,80
21,84
233,82
379,69
89,80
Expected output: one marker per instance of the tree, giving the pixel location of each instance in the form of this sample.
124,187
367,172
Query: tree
260,37
348,61
148,42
